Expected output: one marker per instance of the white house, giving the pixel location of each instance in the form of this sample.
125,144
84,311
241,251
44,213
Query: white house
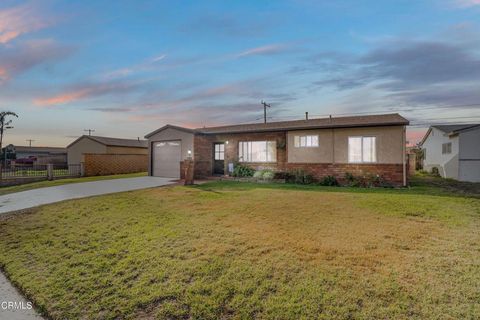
454,150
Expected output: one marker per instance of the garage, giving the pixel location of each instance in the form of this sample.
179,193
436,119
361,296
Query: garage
166,158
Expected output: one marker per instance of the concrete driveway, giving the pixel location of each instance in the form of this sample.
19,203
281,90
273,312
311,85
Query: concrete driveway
37,197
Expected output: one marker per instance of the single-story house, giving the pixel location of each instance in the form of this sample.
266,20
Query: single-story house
105,156
42,155
373,144
103,145
454,150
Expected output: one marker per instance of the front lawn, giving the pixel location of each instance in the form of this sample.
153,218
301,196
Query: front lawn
235,250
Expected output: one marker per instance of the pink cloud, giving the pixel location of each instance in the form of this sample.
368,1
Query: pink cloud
415,135
62,98
86,91
18,20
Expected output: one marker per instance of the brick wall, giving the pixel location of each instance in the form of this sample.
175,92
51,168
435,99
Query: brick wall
106,164
393,173
203,150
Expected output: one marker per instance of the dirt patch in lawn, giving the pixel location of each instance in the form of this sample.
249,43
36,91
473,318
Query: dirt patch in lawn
208,254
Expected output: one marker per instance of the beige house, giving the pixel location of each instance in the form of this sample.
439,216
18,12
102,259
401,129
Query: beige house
360,145
104,145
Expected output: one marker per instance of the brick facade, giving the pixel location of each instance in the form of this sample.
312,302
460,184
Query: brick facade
392,173
203,150
107,164
203,155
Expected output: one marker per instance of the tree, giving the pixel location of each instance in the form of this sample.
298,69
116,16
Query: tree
5,125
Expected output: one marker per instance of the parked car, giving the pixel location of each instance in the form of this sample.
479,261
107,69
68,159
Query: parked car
28,160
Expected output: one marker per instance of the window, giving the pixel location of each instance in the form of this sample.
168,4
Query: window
306,141
362,149
446,148
219,151
257,151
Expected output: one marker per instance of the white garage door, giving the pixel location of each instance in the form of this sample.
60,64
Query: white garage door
166,158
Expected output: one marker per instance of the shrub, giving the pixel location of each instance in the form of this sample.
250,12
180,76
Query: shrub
258,174
241,170
299,176
264,174
329,181
435,172
268,175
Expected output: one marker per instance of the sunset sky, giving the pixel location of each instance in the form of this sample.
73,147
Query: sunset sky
125,68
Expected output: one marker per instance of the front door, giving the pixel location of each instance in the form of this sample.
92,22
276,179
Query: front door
219,158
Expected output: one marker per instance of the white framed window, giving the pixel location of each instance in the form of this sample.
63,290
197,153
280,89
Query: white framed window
306,141
257,151
362,149
219,151
446,148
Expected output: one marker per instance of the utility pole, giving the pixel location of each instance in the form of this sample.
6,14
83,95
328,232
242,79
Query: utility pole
30,142
89,131
265,105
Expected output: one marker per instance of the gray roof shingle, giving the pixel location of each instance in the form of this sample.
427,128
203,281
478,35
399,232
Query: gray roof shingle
455,127
334,122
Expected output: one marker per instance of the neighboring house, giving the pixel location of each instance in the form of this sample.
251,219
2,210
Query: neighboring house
360,145
41,155
454,150
105,155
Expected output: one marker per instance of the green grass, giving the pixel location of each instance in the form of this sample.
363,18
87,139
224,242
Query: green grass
53,183
227,250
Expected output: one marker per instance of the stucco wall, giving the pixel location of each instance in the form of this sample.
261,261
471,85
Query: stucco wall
333,145
84,145
171,134
321,154
434,157
469,143
126,150
469,155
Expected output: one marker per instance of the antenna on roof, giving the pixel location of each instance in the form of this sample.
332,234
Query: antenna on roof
89,131
265,105
30,142
306,115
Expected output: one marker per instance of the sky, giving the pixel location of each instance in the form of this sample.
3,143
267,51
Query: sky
126,68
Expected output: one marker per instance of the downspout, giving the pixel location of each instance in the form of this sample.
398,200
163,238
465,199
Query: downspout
404,155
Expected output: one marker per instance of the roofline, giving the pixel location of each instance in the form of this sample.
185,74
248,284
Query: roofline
425,136
105,144
169,126
228,128
76,140
464,129
389,124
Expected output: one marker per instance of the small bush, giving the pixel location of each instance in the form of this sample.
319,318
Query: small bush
299,176
268,175
329,181
241,170
435,172
258,174
265,174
